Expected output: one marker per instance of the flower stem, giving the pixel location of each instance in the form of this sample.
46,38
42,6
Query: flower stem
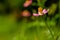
50,30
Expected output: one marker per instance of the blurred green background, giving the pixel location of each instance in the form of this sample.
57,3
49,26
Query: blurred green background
15,27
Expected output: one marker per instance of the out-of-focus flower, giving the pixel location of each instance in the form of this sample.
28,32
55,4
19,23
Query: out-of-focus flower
26,13
27,3
34,14
45,11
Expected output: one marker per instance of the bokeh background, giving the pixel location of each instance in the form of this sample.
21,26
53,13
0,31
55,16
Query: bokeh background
14,26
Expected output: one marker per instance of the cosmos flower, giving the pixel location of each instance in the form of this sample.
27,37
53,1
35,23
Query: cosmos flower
26,13
27,3
42,11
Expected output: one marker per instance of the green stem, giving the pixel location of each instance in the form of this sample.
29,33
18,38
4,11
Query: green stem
38,2
50,30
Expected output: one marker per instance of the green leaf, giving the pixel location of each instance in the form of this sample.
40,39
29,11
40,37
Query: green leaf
41,2
52,9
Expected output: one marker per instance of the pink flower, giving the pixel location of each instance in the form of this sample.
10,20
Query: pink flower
27,3
35,14
45,11
26,13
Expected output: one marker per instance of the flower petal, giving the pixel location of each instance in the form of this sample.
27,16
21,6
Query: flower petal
45,11
35,14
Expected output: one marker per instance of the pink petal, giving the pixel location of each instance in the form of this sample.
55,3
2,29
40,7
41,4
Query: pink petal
45,11
35,14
